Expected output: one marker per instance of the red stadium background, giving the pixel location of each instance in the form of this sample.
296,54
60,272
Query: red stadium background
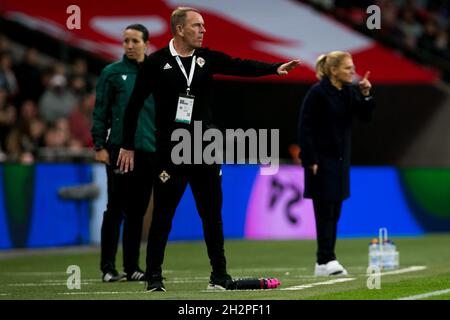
240,28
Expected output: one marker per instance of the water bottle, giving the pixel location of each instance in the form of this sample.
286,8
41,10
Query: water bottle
383,252
395,256
374,249
388,255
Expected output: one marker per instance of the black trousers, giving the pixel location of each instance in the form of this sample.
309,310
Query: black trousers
128,199
327,215
170,184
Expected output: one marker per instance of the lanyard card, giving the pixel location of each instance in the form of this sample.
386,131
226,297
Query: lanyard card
184,108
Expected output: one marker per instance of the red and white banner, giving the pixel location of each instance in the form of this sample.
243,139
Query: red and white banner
268,30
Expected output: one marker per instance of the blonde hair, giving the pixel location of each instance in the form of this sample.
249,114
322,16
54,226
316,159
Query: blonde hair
178,17
325,62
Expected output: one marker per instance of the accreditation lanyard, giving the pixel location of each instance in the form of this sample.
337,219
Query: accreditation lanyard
191,74
185,101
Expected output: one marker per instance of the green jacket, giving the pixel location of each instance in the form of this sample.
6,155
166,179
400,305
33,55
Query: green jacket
114,88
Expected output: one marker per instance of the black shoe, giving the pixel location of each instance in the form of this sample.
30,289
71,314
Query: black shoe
112,276
155,283
219,282
137,275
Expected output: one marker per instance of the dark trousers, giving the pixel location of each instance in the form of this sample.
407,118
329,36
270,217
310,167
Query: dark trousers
327,215
128,199
206,185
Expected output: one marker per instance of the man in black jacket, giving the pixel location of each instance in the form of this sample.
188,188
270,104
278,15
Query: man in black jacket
180,78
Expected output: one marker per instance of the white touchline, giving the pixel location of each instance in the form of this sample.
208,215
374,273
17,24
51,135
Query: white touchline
100,292
426,295
339,280
250,270
49,284
310,285
65,281
32,273
404,270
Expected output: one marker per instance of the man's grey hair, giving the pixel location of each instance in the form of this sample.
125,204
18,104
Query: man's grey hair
178,17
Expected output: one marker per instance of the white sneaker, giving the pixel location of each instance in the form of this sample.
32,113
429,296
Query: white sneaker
320,270
334,268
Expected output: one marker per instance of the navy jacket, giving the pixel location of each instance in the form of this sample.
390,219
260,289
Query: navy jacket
325,137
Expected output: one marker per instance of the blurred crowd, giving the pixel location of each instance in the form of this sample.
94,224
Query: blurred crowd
45,107
415,24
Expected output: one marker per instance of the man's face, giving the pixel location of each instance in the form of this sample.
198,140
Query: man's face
134,45
193,30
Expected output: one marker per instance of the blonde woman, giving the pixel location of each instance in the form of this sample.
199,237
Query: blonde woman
325,142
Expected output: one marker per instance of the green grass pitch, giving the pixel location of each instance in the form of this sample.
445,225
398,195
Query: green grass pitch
424,268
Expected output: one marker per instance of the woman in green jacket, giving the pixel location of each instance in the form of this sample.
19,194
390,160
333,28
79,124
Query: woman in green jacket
128,193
